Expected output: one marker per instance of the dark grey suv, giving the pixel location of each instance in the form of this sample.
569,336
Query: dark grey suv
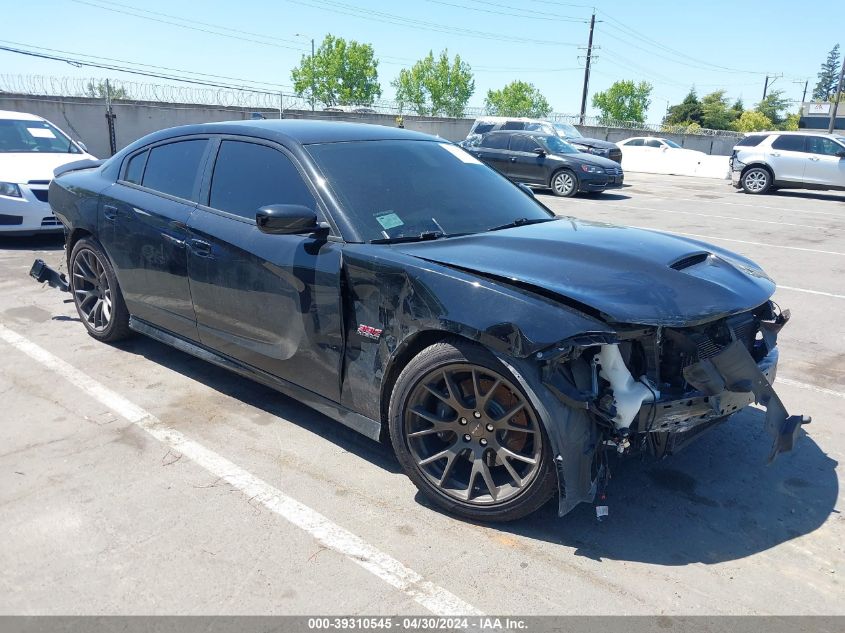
546,160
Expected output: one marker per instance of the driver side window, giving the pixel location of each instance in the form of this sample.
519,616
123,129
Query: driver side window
248,176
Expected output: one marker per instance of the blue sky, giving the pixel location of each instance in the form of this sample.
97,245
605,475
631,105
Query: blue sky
716,45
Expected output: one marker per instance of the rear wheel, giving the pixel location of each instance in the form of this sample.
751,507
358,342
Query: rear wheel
96,292
467,435
756,180
564,183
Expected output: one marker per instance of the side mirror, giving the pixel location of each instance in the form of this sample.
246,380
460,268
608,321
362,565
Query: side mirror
539,151
841,154
82,146
526,189
286,219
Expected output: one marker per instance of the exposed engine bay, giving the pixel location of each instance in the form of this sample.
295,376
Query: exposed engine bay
652,390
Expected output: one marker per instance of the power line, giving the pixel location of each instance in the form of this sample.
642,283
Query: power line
123,61
521,13
380,16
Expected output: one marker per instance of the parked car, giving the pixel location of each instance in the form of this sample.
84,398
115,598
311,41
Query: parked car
565,131
30,148
545,160
393,282
764,161
355,109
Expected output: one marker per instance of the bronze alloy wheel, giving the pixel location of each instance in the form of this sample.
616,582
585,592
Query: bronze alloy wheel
472,434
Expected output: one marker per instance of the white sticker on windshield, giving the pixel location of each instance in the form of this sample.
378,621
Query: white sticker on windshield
462,155
40,132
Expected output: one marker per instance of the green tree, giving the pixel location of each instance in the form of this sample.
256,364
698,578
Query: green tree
716,114
98,90
518,98
435,87
828,76
791,122
738,108
686,112
752,121
624,101
773,106
341,73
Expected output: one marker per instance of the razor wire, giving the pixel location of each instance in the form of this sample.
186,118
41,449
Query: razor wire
247,97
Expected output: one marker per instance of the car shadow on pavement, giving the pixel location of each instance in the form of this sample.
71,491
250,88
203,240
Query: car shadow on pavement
810,195
44,242
264,398
715,501
586,196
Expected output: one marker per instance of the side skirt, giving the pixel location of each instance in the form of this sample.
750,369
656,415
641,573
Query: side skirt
355,421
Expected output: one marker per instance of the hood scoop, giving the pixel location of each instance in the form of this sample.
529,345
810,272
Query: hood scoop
689,260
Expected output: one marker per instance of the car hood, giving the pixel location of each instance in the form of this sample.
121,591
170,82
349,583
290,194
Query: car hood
590,159
591,142
629,275
21,167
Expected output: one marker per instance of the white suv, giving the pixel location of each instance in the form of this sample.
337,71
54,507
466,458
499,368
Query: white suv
764,161
30,149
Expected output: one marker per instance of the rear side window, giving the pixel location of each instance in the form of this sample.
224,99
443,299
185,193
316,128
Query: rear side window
173,168
789,143
248,176
495,141
751,141
482,128
637,142
135,168
514,125
821,145
521,143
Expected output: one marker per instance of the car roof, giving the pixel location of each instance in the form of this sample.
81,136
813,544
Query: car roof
302,131
19,116
528,132
795,133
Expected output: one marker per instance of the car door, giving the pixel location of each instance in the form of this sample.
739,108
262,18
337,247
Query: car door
143,228
493,151
825,162
788,157
271,301
526,164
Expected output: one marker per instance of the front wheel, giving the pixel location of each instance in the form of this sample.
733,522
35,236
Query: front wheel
756,180
468,437
96,293
565,183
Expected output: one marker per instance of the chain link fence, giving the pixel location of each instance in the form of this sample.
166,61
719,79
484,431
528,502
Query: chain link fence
247,97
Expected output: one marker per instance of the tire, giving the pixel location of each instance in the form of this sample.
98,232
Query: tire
564,183
495,460
96,293
756,180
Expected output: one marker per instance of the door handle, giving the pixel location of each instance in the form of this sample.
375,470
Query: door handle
513,160
200,248
110,212
815,159
775,154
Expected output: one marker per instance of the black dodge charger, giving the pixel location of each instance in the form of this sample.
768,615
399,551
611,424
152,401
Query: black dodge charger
393,282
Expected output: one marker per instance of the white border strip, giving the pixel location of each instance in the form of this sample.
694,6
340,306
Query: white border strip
812,292
330,535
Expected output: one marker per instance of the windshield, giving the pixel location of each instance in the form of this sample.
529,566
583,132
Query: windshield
567,131
557,146
33,136
671,143
395,188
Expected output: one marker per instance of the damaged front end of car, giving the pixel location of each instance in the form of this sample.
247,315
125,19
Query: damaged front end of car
653,389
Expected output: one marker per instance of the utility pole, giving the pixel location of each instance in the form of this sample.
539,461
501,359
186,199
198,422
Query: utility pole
766,87
313,95
836,99
587,69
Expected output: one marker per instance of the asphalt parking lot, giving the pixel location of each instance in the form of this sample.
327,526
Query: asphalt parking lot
135,479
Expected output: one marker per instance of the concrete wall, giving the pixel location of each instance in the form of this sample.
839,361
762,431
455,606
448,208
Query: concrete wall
85,120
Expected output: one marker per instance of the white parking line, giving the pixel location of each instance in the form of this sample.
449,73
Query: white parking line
762,206
330,535
812,292
804,385
730,239
632,209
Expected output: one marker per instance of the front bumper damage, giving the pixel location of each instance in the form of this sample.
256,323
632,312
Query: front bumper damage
600,415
